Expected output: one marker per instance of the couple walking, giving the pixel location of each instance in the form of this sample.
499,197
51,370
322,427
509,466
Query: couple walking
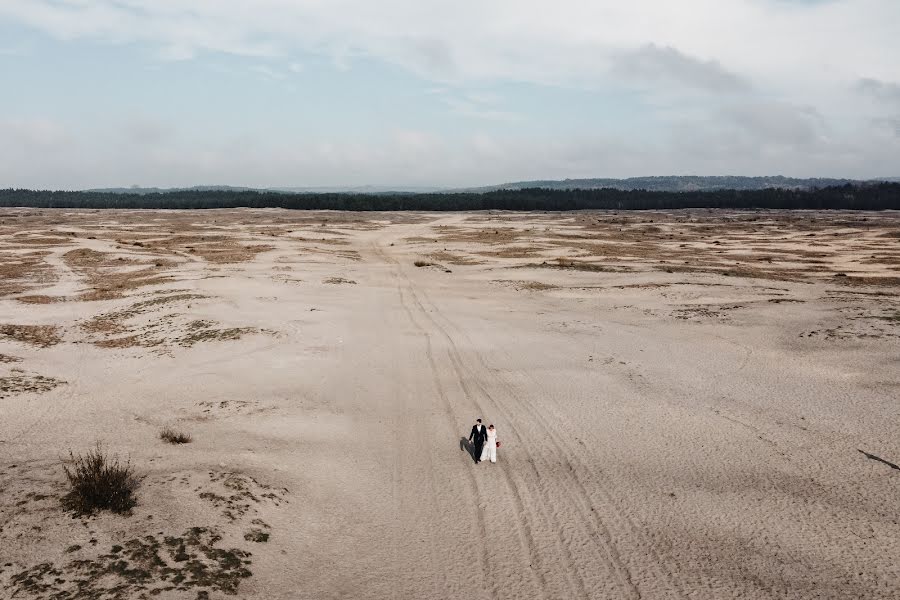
484,441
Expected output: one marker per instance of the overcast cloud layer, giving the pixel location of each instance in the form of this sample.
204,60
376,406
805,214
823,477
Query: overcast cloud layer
412,92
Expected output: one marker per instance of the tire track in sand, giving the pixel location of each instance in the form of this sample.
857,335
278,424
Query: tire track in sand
610,557
475,493
576,584
570,456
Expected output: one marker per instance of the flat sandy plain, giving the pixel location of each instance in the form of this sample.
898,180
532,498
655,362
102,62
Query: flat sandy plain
692,404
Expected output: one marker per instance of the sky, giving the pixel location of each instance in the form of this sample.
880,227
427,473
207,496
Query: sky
275,93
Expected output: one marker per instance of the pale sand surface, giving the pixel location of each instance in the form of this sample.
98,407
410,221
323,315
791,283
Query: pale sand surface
683,398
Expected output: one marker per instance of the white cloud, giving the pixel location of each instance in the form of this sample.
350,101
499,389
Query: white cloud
522,40
653,64
885,91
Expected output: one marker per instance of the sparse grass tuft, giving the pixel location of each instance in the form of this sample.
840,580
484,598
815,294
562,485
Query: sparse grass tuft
174,437
99,482
423,263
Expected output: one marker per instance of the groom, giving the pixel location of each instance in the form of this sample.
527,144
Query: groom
477,437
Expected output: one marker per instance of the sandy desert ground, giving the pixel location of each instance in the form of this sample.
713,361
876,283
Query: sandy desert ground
692,404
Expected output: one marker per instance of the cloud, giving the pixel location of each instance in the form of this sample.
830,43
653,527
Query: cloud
651,63
777,123
477,105
516,40
880,90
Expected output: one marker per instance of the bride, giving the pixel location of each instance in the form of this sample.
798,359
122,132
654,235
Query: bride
490,445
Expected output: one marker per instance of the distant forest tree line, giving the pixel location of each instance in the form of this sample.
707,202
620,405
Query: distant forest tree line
876,196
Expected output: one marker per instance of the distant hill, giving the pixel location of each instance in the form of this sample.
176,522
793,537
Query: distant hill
362,189
155,190
686,183
674,183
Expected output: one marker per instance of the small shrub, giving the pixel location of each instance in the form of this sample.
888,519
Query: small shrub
423,263
99,482
174,437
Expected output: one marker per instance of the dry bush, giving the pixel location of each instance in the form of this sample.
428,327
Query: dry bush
99,482
423,263
170,435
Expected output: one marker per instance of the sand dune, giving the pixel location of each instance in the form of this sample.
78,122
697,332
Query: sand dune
694,404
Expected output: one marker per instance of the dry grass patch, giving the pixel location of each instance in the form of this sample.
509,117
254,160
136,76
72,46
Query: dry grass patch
338,281
40,240
22,272
6,359
107,279
577,265
533,286
173,436
501,235
42,336
143,567
215,249
203,331
454,259
40,299
129,341
867,280
112,322
21,383
257,535
512,252
231,253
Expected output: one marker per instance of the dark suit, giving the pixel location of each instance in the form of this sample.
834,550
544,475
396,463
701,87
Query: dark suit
477,437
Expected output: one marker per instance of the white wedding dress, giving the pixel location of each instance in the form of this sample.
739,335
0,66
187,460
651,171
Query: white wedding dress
489,451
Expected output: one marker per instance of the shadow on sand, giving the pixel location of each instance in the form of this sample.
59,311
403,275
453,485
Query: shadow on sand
465,444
